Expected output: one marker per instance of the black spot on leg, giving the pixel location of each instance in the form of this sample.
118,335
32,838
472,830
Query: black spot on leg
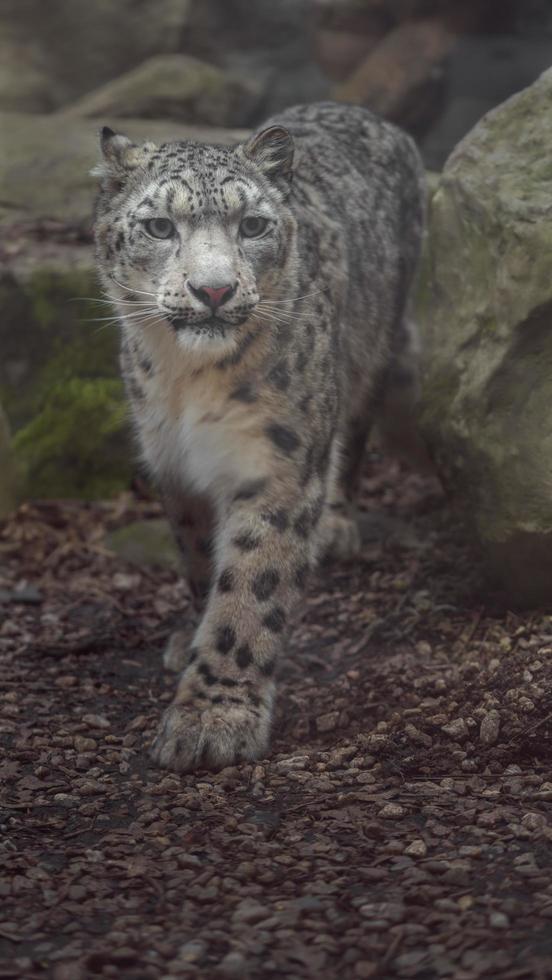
226,580
301,575
275,620
226,639
251,489
282,437
207,674
265,583
193,655
268,667
217,699
308,466
244,393
302,523
279,376
246,541
228,682
244,657
278,518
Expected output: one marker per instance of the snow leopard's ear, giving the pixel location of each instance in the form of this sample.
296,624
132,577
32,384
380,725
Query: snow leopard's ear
272,151
120,157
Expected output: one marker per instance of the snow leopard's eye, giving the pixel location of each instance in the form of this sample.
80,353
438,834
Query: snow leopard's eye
159,227
252,227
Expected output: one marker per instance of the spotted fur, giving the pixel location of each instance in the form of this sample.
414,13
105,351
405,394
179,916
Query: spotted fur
252,414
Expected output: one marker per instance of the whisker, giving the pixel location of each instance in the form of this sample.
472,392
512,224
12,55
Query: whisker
109,302
131,289
292,299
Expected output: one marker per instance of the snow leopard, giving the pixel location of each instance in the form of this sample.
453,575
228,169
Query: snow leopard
263,293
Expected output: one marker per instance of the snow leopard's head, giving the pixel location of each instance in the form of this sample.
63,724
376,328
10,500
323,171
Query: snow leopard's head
194,235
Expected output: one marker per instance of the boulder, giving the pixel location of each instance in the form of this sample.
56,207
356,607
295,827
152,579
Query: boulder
46,160
81,44
402,78
175,86
8,473
25,82
59,381
485,307
150,542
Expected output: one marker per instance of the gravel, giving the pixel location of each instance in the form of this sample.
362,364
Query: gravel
401,826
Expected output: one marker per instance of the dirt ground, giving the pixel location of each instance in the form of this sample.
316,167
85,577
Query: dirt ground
401,827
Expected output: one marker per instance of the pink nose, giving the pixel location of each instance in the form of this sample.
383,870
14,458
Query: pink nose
213,296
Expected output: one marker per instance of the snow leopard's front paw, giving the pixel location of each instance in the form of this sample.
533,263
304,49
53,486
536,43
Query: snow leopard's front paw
212,731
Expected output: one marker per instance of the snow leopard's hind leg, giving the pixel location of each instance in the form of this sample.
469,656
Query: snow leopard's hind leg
340,533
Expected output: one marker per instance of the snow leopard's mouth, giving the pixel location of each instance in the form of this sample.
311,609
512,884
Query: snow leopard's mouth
211,325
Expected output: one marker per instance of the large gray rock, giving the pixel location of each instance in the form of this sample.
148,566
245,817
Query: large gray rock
175,86
83,44
46,160
486,309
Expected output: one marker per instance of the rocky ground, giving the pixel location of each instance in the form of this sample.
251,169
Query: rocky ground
400,828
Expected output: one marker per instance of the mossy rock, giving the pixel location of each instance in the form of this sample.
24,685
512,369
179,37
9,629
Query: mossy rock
485,307
8,469
59,379
145,543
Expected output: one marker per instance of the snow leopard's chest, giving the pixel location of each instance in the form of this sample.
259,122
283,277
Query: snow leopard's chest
197,441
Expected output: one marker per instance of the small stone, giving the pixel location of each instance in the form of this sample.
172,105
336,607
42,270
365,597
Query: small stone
327,722
233,964
418,848
457,729
490,727
250,911
534,821
83,744
292,762
377,741
96,721
392,811
364,969
498,920
193,951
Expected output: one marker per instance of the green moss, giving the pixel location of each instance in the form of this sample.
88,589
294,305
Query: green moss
74,447
145,543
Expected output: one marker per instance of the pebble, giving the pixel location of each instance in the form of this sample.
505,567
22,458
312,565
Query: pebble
392,811
96,721
250,911
457,729
83,744
390,911
417,848
534,821
498,920
364,969
192,951
327,722
233,964
489,728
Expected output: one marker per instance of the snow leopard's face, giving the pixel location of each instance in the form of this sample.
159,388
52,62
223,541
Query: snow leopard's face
194,235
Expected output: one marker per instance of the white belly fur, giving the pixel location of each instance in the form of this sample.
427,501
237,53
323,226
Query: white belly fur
201,450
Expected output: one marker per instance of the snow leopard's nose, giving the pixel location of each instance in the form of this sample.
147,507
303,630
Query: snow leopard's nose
212,296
